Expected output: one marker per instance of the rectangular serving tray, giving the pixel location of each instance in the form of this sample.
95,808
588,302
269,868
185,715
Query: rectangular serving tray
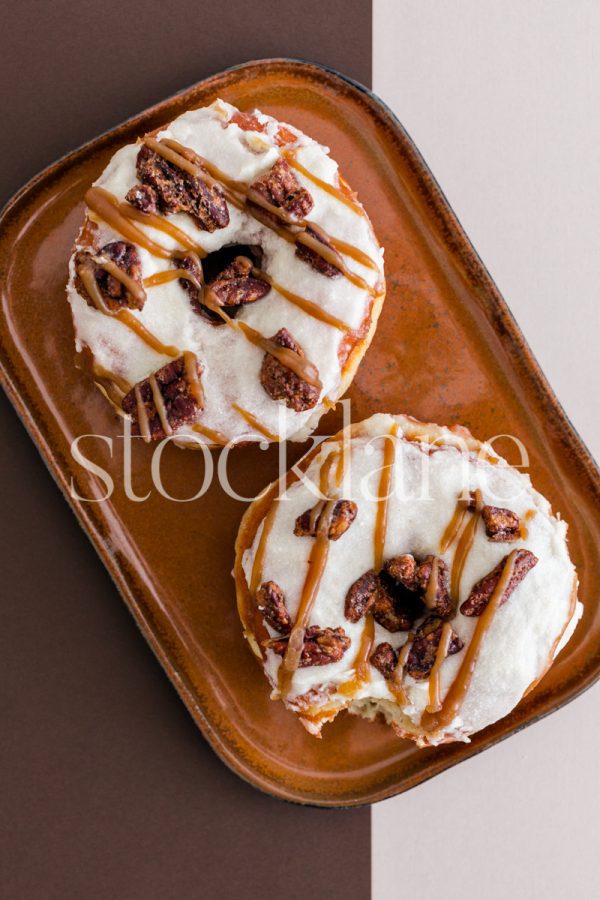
447,350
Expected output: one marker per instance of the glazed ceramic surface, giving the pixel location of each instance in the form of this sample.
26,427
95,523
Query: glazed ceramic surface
446,350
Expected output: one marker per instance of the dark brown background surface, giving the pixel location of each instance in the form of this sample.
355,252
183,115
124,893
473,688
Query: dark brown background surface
107,788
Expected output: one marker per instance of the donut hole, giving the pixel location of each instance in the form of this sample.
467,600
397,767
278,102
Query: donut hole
214,263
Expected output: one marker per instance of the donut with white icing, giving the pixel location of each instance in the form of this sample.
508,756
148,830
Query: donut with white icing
226,282
409,571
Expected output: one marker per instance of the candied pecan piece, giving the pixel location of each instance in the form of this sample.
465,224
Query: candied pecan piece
280,187
501,525
421,657
384,659
313,258
403,569
281,383
393,607
143,197
180,399
115,293
179,191
321,646
481,592
271,605
196,294
344,514
416,576
361,596
236,285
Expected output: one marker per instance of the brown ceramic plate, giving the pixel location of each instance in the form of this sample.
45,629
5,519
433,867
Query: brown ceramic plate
447,350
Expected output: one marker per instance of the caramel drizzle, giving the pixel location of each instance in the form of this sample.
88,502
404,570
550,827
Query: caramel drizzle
433,721
347,249
215,436
307,306
454,526
179,155
432,584
159,223
142,415
523,529
190,363
435,702
86,273
121,216
381,516
171,275
317,562
290,156
256,576
108,208
302,367
461,528
191,373
136,290
314,515
159,405
254,422
111,385
361,660
122,386
397,679
330,256
342,460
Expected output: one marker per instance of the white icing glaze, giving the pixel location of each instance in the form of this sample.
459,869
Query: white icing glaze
231,363
518,646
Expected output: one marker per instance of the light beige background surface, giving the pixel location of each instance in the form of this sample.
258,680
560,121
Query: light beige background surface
503,100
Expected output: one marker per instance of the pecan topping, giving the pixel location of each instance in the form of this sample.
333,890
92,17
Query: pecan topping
143,197
424,647
271,605
192,265
391,605
501,524
321,646
393,608
307,254
384,659
178,191
115,294
416,577
280,187
344,514
236,285
179,399
361,596
281,383
481,592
